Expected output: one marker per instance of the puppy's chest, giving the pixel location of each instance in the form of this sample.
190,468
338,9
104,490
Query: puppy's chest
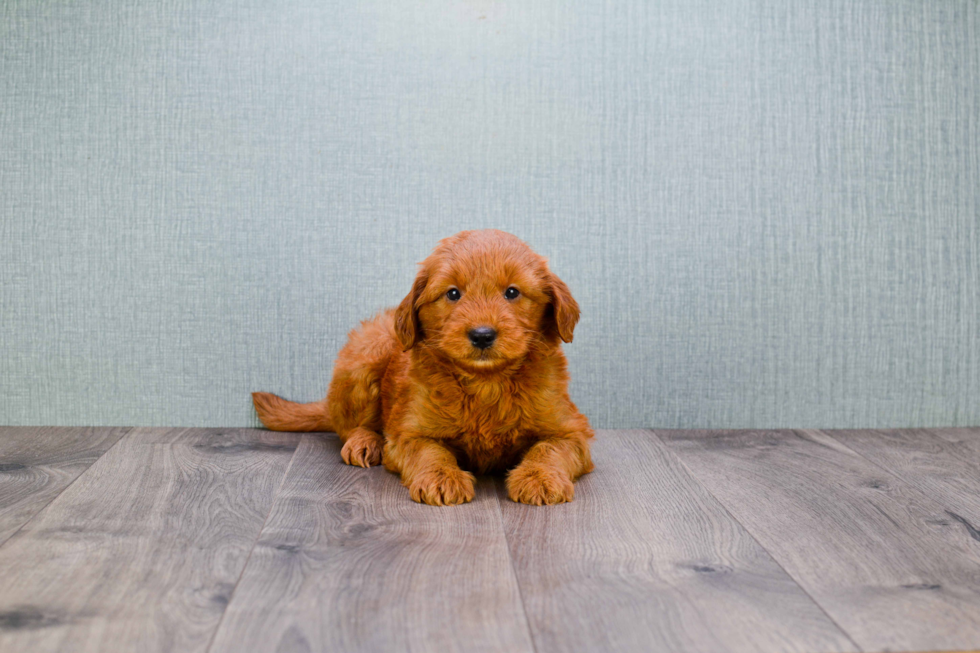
494,417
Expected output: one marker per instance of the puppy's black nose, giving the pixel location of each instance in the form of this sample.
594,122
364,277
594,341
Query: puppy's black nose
482,337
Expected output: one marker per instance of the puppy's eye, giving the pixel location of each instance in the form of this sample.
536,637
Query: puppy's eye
512,293
453,295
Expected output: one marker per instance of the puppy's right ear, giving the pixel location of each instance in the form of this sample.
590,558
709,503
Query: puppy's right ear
408,328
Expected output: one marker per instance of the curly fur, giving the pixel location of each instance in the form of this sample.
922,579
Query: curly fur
411,390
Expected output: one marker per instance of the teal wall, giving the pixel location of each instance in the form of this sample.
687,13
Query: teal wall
769,211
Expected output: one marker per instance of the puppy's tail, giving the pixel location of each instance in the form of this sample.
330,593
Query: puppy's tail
280,415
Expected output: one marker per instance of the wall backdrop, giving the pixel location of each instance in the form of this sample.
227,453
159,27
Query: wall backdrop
769,211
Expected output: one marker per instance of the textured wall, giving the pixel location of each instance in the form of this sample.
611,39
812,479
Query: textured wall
769,211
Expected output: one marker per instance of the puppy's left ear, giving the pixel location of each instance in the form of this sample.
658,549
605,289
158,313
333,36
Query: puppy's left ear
565,311
408,328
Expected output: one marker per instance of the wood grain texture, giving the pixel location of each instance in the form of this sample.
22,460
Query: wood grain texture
141,553
882,558
37,463
943,463
347,562
645,559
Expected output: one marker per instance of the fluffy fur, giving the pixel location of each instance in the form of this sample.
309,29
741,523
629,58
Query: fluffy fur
410,389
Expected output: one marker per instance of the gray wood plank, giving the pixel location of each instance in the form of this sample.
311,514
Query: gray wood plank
348,562
645,559
882,558
943,463
37,463
141,553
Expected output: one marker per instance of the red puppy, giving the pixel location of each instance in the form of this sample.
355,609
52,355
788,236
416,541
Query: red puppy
466,374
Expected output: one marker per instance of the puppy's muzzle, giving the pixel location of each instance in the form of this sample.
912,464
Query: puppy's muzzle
482,337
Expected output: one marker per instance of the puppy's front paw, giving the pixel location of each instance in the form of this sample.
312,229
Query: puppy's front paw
539,485
442,487
363,448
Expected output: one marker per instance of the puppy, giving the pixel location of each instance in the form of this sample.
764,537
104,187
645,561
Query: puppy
466,375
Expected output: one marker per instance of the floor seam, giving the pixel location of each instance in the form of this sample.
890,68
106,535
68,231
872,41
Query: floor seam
874,463
513,569
73,481
928,494
769,553
258,536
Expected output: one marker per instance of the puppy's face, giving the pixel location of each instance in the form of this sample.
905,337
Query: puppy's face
483,298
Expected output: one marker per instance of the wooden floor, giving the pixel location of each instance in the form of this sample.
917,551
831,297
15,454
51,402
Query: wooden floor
245,540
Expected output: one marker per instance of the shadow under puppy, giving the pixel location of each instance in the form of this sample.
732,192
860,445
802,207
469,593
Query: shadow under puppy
467,373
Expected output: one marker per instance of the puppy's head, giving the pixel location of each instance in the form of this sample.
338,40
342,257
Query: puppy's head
483,299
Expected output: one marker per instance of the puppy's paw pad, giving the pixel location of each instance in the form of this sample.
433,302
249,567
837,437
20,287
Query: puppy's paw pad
362,451
539,486
443,487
